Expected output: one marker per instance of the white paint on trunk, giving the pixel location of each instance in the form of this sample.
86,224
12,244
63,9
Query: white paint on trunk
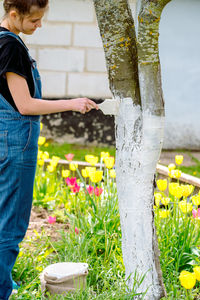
139,137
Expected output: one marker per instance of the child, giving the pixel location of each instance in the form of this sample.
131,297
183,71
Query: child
20,107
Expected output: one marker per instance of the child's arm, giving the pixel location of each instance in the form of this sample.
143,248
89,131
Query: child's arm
30,106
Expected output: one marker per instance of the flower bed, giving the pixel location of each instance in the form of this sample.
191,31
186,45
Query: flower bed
85,200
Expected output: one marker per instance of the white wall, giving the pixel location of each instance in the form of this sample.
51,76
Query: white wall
180,61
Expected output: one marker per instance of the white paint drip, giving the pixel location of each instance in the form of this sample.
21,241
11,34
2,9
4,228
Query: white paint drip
138,140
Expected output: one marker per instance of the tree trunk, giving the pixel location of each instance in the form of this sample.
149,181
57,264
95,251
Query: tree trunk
134,76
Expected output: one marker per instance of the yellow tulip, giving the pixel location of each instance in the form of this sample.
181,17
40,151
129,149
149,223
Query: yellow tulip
91,159
20,254
89,170
40,162
179,159
197,272
104,154
112,173
40,154
172,187
41,126
53,164
46,144
55,159
178,193
163,214
96,176
84,173
187,189
171,167
51,168
65,173
45,155
187,279
176,173
170,174
109,162
41,140
161,184
196,199
185,207
165,200
73,166
158,198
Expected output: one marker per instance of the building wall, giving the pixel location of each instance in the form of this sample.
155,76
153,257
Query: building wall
69,51
180,62
71,61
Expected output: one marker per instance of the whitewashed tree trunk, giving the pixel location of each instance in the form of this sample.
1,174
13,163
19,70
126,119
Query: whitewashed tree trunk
134,76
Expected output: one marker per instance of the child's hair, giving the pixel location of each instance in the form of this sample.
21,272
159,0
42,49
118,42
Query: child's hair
23,6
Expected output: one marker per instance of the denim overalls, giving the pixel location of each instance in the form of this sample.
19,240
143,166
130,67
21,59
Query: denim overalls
18,157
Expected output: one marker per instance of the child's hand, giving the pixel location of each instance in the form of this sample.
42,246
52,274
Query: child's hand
83,105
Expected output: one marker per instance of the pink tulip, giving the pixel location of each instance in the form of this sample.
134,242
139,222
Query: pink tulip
98,191
76,230
69,156
196,213
90,189
71,181
75,188
51,220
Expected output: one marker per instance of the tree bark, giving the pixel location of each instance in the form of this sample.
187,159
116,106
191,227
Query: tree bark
134,75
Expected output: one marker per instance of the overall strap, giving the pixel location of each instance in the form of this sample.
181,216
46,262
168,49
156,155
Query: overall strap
6,33
34,70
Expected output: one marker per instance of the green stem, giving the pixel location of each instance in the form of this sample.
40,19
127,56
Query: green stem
187,295
88,196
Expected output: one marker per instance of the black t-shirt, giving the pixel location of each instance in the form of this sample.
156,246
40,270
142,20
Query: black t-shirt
13,58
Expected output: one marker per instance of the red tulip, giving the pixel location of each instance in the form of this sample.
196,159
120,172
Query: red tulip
71,181
196,213
75,188
98,191
90,189
76,230
51,220
69,156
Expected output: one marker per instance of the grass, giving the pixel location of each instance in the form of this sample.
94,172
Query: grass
79,151
98,241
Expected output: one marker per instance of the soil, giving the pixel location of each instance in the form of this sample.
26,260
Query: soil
39,222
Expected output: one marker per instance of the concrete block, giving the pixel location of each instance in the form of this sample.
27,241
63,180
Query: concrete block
51,34
58,59
88,85
53,84
96,60
1,9
87,36
33,53
71,11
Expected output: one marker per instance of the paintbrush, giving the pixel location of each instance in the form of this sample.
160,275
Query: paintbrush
109,106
